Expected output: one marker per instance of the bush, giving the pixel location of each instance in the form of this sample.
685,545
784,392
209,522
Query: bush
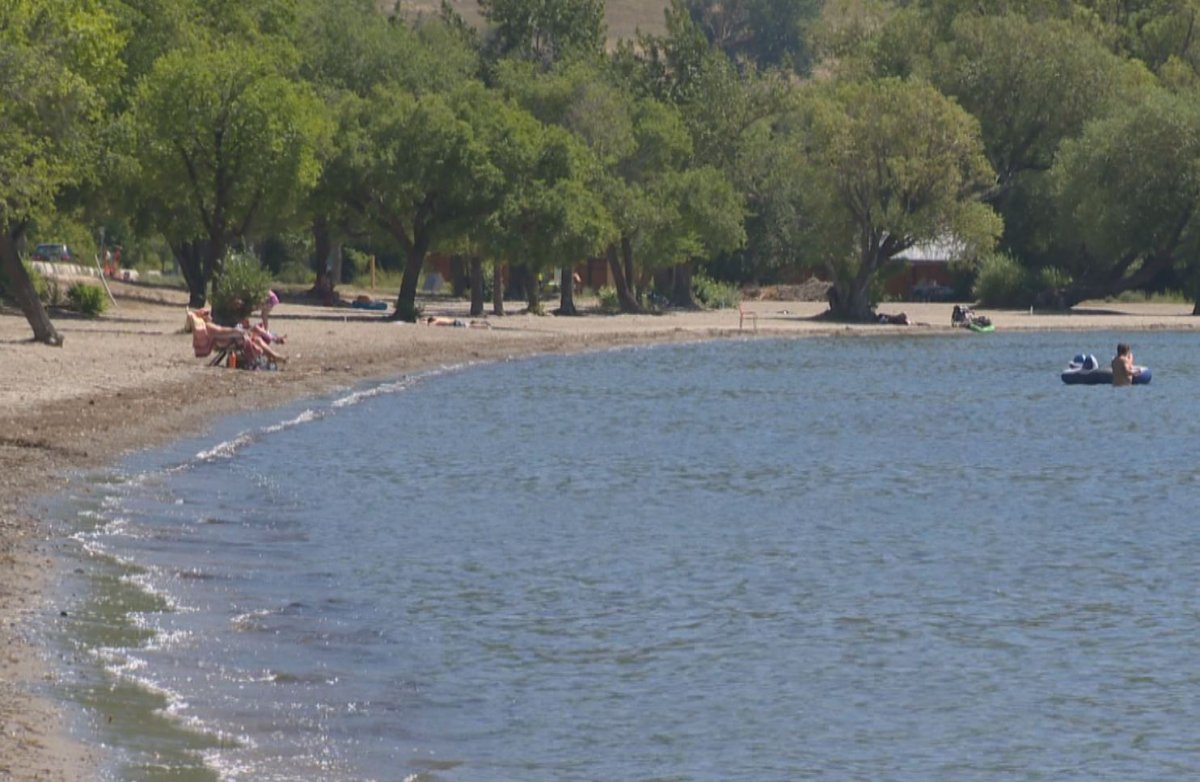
240,290
88,299
715,295
40,286
1003,282
608,300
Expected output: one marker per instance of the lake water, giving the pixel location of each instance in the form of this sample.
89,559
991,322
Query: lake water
896,558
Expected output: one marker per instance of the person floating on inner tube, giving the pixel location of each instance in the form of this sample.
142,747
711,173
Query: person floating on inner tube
1123,370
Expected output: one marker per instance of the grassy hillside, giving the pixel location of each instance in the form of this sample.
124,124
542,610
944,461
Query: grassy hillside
624,17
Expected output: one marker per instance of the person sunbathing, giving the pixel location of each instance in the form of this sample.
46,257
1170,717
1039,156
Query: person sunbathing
457,322
257,344
260,330
253,347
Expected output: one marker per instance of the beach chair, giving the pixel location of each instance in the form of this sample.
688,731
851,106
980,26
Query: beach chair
744,315
224,348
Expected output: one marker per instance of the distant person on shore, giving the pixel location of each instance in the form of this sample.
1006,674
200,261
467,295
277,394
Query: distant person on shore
267,306
1123,370
433,320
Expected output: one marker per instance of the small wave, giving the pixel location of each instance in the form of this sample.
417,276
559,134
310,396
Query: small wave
303,418
229,448
396,386
225,450
355,397
248,620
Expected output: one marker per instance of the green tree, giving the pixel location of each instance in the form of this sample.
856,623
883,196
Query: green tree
1031,84
545,31
1128,192
419,167
548,217
57,62
887,164
347,50
224,138
699,216
767,33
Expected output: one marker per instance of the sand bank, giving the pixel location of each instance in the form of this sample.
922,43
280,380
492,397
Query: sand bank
129,381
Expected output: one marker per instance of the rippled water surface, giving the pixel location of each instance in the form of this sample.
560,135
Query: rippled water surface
845,559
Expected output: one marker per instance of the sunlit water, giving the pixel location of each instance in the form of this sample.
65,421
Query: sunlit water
845,559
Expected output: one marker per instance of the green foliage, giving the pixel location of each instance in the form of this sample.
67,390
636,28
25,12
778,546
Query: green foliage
1003,282
1142,297
545,31
87,299
1129,187
715,295
608,301
240,290
355,263
295,272
226,139
768,33
40,286
58,59
886,164
1031,83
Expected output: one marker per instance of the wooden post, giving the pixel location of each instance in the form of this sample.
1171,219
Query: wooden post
372,273
104,281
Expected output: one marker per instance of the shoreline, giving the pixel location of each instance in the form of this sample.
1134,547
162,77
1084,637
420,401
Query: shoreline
128,381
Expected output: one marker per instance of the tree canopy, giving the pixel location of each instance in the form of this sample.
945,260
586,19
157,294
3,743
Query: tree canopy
752,140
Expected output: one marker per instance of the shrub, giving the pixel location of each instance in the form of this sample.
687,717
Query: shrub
607,297
40,285
1003,282
240,290
88,299
49,289
715,295
296,273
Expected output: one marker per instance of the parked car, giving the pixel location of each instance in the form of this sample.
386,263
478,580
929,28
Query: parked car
51,252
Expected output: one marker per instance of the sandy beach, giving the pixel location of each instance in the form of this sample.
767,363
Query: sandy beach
129,381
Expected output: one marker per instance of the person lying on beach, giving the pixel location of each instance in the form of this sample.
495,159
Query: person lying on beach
457,322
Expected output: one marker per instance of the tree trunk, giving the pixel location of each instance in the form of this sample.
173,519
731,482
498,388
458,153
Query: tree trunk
497,288
566,297
681,294
518,283
459,280
626,300
322,242
533,293
23,291
406,300
850,298
851,301
1082,290
476,273
631,282
214,260
191,265
336,267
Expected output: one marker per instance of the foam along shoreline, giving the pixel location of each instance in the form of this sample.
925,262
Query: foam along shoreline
129,381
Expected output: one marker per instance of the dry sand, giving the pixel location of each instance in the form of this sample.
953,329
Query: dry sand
129,380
